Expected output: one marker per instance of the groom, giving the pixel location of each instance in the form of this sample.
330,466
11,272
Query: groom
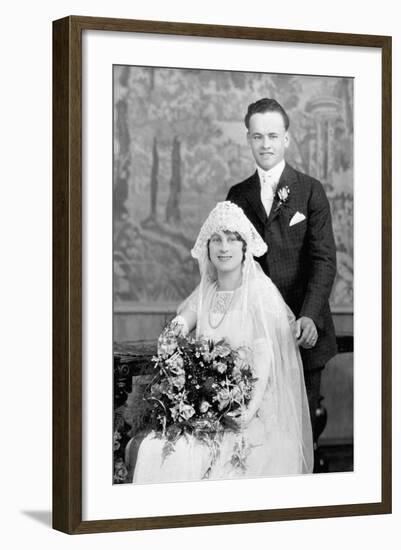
291,212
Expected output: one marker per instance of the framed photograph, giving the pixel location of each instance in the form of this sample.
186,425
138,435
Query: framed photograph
281,140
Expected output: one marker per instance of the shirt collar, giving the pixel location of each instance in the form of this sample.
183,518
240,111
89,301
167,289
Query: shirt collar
273,174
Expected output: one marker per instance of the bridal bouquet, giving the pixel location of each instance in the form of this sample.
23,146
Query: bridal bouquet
197,383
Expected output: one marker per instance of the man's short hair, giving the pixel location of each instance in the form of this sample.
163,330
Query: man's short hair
266,105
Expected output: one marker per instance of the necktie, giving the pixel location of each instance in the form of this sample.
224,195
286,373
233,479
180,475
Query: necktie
267,191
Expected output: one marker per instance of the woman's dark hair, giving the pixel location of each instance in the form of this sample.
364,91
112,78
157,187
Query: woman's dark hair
238,237
266,105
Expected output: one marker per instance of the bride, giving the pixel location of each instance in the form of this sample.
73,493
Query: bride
235,300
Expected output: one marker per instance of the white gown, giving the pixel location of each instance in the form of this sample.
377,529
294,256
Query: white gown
269,443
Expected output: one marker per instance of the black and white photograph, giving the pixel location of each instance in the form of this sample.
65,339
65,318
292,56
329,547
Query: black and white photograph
233,274
201,263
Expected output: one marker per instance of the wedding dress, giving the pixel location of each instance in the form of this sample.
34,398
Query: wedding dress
275,436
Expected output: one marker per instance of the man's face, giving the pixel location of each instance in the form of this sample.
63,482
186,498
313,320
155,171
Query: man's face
267,138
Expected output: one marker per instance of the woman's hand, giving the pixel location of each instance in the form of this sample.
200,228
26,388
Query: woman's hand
179,326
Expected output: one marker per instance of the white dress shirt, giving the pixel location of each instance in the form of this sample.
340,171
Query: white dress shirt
268,184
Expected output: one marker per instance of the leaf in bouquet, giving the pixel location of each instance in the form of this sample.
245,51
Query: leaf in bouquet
237,395
236,374
174,431
168,449
221,349
220,366
155,391
163,387
175,412
241,453
223,398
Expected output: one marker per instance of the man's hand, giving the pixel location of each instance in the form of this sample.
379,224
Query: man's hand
306,332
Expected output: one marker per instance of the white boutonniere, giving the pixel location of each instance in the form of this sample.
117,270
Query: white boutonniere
283,195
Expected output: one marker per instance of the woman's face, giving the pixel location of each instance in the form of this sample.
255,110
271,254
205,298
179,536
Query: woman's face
226,251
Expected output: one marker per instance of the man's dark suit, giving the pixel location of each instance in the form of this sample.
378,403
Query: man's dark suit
301,259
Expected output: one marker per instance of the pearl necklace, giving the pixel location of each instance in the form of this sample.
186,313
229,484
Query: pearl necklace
221,303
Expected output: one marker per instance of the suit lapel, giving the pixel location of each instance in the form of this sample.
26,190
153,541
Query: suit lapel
253,197
287,179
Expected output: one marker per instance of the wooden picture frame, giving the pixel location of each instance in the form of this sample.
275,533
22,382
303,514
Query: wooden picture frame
67,273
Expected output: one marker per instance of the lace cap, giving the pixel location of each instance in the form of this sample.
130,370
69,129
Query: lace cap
227,216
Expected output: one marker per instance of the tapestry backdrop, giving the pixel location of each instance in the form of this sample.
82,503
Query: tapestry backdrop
180,144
